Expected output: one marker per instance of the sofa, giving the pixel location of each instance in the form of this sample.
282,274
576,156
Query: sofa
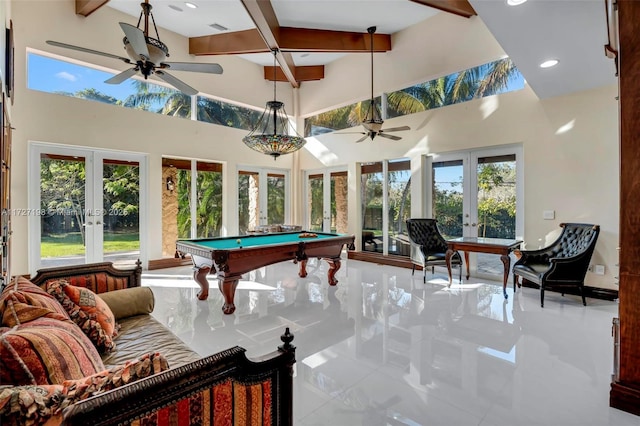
142,375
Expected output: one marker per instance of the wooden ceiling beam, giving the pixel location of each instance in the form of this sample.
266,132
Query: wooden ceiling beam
87,7
234,43
289,40
457,7
265,20
303,73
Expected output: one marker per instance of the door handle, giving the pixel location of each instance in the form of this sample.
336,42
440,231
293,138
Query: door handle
466,224
473,224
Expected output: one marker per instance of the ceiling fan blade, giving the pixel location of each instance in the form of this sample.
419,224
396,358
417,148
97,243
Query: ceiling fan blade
363,138
84,49
119,78
396,129
136,38
178,84
392,137
193,67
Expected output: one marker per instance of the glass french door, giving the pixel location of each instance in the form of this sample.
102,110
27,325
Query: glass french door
262,198
84,206
326,194
476,194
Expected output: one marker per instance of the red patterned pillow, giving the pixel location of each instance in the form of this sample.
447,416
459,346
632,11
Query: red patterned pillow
130,371
30,405
89,311
22,301
46,351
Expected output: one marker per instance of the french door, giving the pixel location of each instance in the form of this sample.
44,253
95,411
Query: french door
326,206
84,206
479,194
262,198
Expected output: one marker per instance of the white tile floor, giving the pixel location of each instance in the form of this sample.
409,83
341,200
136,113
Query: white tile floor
382,348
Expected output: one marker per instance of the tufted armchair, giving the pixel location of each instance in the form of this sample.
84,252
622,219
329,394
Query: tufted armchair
564,263
428,246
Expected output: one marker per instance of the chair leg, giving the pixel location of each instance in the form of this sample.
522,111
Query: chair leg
424,276
433,270
413,269
584,301
541,296
460,273
515,282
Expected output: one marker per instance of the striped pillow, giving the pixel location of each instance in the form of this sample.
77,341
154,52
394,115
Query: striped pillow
46,351
22,301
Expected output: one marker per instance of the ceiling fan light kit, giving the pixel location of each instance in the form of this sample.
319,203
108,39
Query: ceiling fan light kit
270,135
147,55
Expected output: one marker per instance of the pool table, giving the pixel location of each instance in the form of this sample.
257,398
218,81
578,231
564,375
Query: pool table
230,257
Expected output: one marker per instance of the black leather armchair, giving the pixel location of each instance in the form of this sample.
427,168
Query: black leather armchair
428,246
564,263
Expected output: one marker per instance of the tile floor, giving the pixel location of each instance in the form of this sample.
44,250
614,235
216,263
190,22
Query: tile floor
382,348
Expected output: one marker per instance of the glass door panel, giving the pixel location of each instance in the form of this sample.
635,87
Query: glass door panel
447,197
120,214
275,199
262,198
327,209
62,210
496,204
208,203
249,216
372,187
315,202
399,184
338,220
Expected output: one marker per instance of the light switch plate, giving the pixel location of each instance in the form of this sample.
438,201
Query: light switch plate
549,214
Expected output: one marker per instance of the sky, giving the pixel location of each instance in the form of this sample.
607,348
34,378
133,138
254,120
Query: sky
50,75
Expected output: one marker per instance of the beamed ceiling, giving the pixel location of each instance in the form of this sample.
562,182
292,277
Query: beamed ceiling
268,36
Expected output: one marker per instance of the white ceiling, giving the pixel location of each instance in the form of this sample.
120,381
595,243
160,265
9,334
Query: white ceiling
572,31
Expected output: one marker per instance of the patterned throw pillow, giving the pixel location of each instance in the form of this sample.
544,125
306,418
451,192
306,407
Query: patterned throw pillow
130,371
46,351
89,311
22,301
29,405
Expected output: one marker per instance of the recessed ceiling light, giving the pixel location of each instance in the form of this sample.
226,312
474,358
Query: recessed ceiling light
515,2
549,63
176,8
190,5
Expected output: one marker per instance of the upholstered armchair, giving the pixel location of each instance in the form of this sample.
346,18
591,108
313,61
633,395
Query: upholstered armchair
428,246
563,264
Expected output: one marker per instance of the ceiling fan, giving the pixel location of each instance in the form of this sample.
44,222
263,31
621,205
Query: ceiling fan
147,55
373,119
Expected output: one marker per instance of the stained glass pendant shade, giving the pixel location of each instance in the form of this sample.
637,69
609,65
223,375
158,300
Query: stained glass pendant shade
271,135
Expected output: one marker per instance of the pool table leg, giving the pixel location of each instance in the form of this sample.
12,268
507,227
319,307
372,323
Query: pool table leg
200,276
302,272
228,289
334,265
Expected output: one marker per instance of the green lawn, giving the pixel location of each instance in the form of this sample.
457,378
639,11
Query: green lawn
71,244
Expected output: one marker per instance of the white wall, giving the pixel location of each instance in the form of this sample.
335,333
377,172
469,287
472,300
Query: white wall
574,173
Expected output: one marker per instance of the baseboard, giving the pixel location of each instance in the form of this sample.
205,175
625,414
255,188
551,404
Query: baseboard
592,292
625,398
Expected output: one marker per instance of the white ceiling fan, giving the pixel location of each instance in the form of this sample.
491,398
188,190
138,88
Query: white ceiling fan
373,119
147,55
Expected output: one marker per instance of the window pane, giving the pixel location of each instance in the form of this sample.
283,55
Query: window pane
447,197
226,114
209,203
275,199
399,182
82,81
372,189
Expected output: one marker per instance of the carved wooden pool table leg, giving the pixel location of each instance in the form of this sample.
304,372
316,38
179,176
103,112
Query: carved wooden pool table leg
302,272
200,276
334,265
228,289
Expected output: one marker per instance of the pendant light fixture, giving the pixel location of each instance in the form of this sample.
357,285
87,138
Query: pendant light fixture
271,135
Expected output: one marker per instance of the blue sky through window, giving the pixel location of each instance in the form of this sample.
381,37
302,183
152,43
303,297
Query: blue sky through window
53,75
